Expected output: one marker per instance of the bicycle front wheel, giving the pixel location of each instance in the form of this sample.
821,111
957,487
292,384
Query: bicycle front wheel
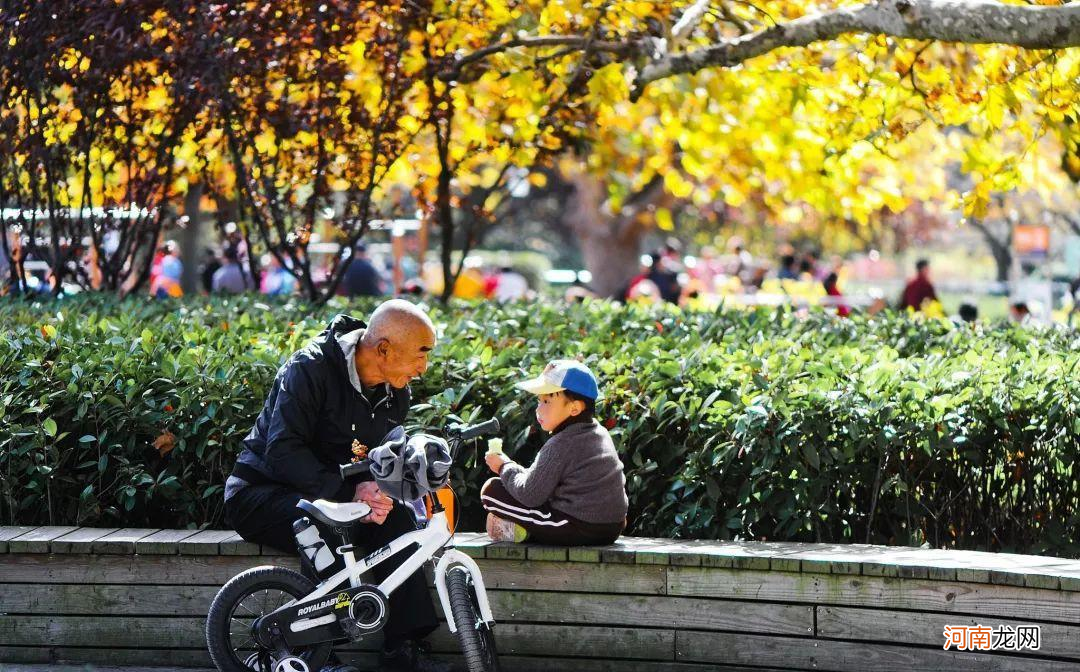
475,637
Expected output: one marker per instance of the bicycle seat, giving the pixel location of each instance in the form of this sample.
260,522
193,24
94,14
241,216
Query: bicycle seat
334,513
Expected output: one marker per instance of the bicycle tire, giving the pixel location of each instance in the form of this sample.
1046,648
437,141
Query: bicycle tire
219,619
476,639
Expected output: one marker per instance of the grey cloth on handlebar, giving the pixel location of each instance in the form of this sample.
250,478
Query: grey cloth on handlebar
407,468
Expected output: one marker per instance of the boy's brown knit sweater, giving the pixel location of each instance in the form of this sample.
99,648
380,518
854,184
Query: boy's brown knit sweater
577,472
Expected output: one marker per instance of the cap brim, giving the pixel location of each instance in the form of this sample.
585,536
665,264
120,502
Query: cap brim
538,386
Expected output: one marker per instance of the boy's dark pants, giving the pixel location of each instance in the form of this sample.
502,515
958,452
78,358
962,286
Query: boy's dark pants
544,524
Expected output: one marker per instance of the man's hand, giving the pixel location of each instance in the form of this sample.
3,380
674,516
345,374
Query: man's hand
368,492
495,461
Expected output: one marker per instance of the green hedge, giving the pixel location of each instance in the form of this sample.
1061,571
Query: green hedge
761,425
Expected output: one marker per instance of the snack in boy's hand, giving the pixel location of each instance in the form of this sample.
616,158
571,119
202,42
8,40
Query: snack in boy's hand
495,447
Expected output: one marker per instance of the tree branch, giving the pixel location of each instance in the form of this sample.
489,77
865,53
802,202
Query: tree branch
966,21
689,19
625,49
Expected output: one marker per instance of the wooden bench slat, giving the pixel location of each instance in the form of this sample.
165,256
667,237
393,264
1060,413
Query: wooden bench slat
584,641
651,612
235,545
195,570
879,592
37,540
626,549
505,550
837,656
573,576
122,541
79,541
107,600
872,625
472,544
7,533
184,632
205,542
198,660
163,542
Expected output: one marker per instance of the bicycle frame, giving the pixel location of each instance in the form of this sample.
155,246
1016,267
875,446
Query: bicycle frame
431,540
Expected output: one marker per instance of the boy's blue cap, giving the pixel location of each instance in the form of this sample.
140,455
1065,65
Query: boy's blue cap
563,374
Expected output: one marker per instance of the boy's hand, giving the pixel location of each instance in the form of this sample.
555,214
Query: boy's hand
368,492
495,461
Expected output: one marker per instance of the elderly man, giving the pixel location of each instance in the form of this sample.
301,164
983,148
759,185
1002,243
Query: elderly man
342,393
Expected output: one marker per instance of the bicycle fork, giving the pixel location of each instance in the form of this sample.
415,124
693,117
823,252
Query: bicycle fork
453,557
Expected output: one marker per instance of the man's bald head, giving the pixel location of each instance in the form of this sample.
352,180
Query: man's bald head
396,318
396,344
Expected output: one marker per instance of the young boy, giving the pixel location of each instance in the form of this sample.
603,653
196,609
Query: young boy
575,492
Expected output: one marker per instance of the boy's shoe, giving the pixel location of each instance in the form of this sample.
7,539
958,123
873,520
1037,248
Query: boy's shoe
412,656
505,530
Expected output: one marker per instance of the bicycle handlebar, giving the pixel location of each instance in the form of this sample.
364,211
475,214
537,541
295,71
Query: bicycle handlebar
354,468
456,433
464,433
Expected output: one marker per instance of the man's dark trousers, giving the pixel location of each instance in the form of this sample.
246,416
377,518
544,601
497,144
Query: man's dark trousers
264,514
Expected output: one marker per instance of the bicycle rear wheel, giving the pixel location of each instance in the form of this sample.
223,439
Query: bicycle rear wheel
247,596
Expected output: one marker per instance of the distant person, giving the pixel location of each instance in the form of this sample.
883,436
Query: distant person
1074,294
918,289
155,264
277,280
666,278
789,268
234,240
707,269
470,284
166,274
842,309
510,285
742,260
231,278
756,279
627,293
1019,312
967,314
361,277
577,292
211,263
672,255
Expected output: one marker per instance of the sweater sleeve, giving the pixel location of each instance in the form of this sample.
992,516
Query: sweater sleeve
534,486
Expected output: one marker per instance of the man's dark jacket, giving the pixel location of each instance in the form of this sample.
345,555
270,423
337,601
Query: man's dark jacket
313,415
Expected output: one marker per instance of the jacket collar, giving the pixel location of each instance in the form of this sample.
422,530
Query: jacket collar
571,421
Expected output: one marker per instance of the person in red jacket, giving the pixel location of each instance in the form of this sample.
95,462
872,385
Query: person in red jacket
842,309
918,289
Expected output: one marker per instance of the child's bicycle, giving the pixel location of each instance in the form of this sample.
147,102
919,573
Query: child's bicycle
273,619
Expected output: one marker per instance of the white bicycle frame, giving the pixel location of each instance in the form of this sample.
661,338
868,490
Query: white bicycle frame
430,539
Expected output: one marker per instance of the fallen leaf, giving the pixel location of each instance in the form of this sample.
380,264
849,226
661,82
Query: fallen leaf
165,443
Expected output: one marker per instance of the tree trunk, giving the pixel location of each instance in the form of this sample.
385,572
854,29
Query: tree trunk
189,239
610,245
1003,261
1000,247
